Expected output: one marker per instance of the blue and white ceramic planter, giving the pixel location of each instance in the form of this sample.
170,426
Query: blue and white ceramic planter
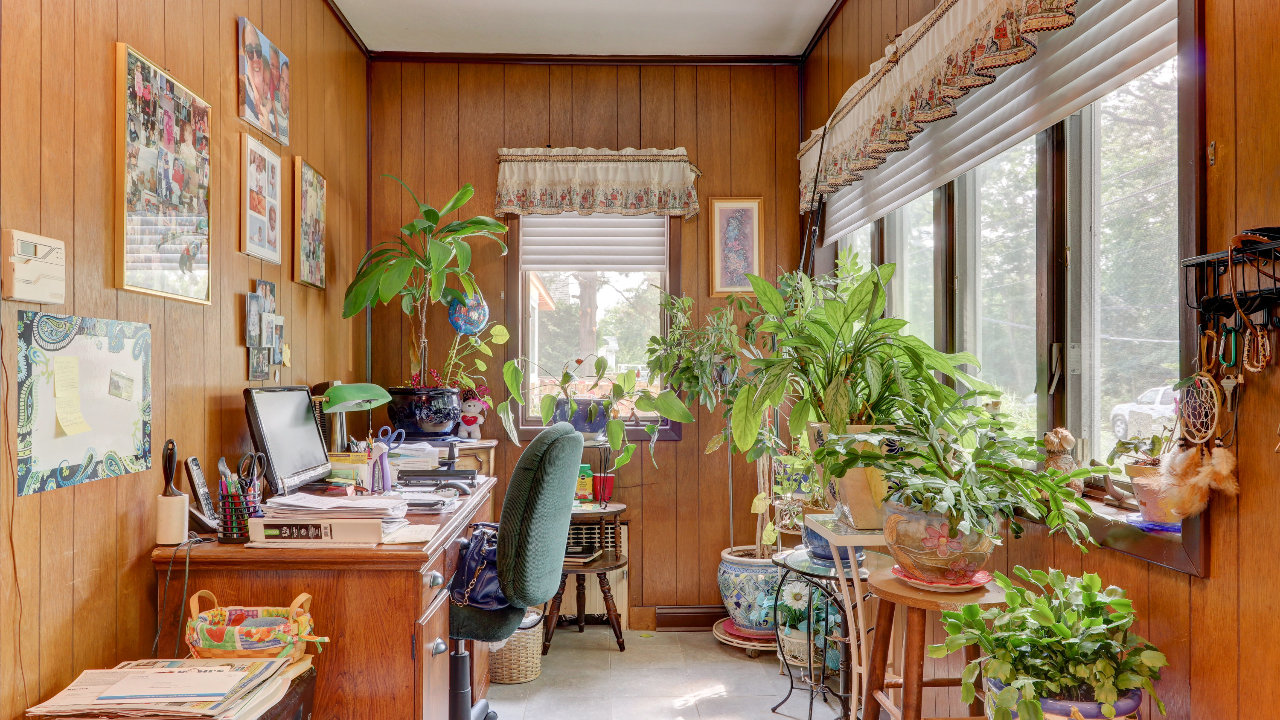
582,420
1127,707
820,549
424,412
743,580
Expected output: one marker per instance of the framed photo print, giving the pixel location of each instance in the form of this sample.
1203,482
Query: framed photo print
260,188
259,363
162,162
309,203
264,83
735,244
253,320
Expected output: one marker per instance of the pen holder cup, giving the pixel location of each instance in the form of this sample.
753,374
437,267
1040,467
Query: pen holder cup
234,512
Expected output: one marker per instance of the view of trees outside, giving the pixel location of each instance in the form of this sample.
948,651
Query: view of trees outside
587,313
859,241
1136,258
1005,285
914,255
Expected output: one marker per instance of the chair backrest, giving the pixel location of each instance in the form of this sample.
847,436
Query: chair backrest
535,516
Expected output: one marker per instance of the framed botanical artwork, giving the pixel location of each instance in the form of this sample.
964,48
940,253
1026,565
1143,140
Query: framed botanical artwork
264,82
309,203
735,244
261,212
163,201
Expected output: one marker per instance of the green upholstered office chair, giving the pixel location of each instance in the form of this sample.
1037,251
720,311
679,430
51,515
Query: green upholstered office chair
532,534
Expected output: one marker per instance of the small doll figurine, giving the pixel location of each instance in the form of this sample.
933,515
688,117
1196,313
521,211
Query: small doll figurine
473,405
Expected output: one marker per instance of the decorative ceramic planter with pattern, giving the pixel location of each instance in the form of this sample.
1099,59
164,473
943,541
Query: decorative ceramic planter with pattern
1127,707
921,544
743,580
424,412
582,419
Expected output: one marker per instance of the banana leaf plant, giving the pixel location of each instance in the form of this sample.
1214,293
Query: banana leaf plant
830,355
419,264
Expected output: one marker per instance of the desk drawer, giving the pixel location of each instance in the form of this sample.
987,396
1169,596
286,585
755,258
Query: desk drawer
435,577
433,661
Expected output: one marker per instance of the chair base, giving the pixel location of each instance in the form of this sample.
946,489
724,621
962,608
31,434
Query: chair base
460,707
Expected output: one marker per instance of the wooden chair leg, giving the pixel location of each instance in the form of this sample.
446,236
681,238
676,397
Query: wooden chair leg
582,602
913,666
611,608
553,616
977,707
882,639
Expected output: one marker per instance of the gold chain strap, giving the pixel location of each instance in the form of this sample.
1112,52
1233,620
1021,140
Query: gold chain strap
466,594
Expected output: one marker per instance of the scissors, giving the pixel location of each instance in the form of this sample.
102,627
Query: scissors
252,468
392,439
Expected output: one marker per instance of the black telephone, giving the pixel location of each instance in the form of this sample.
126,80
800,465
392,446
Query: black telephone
204,517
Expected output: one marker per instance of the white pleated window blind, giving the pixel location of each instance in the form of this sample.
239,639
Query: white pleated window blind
1111,43
605,243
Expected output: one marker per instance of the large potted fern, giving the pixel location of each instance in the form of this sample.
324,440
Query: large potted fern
428,262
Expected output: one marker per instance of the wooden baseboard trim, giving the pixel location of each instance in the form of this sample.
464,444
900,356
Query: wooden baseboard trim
685,618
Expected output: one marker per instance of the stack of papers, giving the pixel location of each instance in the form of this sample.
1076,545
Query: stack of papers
415,456
329,507
422,500
194,688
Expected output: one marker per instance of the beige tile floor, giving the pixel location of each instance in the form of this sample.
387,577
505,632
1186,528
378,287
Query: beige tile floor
661,676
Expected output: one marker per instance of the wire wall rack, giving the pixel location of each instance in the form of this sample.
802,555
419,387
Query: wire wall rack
1242,281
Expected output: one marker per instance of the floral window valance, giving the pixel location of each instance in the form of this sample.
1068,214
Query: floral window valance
957,47
550,181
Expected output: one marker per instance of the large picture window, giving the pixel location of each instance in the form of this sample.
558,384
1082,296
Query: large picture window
910,245
996,234
590,286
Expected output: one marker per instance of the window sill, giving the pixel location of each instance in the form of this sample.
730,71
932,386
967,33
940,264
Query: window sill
635,433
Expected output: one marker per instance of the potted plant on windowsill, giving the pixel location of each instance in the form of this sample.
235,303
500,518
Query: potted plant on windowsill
428,262
956,476
837,364
1062,649
591,402
1140,459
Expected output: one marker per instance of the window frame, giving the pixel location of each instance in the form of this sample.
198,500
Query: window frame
1064,210
668,430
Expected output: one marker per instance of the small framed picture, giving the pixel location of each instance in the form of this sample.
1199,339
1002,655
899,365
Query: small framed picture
309,205
259,363
735,244
264,82
267,290
253,320
260,188
277,349
268,330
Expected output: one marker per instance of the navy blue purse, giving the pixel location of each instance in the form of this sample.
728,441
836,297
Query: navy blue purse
475,582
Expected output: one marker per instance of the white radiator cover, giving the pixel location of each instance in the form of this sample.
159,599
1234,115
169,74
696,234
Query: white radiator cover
617,578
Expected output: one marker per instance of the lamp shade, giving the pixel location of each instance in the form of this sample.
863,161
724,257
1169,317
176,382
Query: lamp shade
354,397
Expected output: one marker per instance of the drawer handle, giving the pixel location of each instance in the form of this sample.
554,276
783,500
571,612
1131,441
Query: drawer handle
434,579
438,647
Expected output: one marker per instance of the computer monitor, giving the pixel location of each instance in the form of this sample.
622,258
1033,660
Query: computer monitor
282,423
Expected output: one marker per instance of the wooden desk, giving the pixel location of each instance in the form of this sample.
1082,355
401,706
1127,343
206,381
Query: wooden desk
383,610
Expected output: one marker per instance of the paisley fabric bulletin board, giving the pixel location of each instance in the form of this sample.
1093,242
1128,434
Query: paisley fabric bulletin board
111,431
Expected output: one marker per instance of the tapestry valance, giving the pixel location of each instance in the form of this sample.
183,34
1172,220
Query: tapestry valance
957,47
550,181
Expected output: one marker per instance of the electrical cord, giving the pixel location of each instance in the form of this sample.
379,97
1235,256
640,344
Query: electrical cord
13,501
191,541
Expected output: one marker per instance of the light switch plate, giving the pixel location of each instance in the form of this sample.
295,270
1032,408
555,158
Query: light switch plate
34,268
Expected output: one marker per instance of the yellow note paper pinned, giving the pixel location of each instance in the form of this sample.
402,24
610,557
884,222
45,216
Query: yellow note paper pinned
66,395
66,376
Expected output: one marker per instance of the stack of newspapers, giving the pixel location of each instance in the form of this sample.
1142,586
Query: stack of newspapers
235,689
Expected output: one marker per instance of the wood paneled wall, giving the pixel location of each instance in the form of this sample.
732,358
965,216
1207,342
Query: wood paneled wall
76,582
1219,632
439,125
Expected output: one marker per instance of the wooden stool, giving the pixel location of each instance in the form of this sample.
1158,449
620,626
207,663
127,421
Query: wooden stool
892,592
608,561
